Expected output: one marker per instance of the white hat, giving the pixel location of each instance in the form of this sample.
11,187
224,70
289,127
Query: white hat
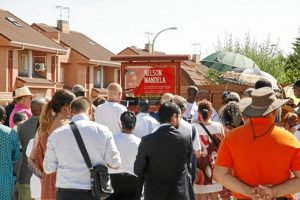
23,91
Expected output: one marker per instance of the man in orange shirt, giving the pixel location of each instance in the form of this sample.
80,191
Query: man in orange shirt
256,160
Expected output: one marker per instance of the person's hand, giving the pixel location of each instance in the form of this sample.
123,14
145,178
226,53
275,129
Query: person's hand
257,194
266,191
262,192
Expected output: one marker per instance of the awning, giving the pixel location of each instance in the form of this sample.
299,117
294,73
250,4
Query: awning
35,82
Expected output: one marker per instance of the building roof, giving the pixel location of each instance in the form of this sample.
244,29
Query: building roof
194,75
80,43
140,51
20,33
37,81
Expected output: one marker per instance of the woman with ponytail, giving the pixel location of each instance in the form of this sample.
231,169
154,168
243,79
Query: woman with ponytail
56,113
210,133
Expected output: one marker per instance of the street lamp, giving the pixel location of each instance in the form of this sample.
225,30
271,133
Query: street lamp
171,28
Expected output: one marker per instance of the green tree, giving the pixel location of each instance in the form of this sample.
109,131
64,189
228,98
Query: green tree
292,67
268,56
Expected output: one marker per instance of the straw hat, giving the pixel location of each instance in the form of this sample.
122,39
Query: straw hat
21,92
262,102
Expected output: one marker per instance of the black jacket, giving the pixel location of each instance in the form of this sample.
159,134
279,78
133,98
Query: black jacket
162,161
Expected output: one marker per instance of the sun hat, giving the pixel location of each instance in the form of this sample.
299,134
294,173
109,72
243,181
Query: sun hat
78,88
262,102
21,92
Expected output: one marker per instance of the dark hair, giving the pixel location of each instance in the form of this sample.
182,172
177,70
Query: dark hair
262,83
80,104
18,99
205,108
36,106
2,113
143,105
98,101
128,120
19,116
193,89
231,115
58,101
79,94
166,111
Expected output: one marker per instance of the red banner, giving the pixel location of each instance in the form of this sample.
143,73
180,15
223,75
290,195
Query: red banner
147,80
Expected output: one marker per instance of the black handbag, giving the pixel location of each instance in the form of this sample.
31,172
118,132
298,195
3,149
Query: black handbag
100,180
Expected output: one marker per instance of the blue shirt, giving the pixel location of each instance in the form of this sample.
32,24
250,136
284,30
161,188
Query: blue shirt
9,153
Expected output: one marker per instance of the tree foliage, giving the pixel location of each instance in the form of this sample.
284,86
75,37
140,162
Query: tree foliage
292,67
268,56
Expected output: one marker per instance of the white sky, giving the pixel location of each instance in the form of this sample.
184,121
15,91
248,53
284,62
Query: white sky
116,24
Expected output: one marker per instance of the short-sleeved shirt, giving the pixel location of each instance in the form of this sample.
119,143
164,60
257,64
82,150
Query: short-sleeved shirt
127,145
267,159
109,114
145,125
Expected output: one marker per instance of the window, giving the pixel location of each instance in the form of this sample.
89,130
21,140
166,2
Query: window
10,69
61,78
13,21
98,77
24,63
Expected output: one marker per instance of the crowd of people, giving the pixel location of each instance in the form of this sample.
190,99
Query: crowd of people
187,150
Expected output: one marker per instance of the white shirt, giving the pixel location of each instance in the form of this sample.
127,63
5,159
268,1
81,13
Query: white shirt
191,110
214,128
186,127
63,154
109,115
144,125
127,144
214,116
35,183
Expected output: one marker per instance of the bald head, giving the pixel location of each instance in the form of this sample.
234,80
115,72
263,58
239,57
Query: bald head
180,102
36,106
166,98
114,92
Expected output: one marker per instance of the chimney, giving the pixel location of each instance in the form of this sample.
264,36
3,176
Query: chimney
149,47
196,58
63,26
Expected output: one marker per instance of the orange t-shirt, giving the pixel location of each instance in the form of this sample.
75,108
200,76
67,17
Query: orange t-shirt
267,160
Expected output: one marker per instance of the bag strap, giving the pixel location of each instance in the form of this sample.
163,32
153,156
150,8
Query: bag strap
216,143
193,133
81,145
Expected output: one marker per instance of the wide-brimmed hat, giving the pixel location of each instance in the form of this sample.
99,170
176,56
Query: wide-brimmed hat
21,92
262,102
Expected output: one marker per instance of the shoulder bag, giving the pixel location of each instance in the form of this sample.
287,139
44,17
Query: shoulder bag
100,180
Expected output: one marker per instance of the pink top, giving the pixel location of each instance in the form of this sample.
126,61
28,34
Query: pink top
18,107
